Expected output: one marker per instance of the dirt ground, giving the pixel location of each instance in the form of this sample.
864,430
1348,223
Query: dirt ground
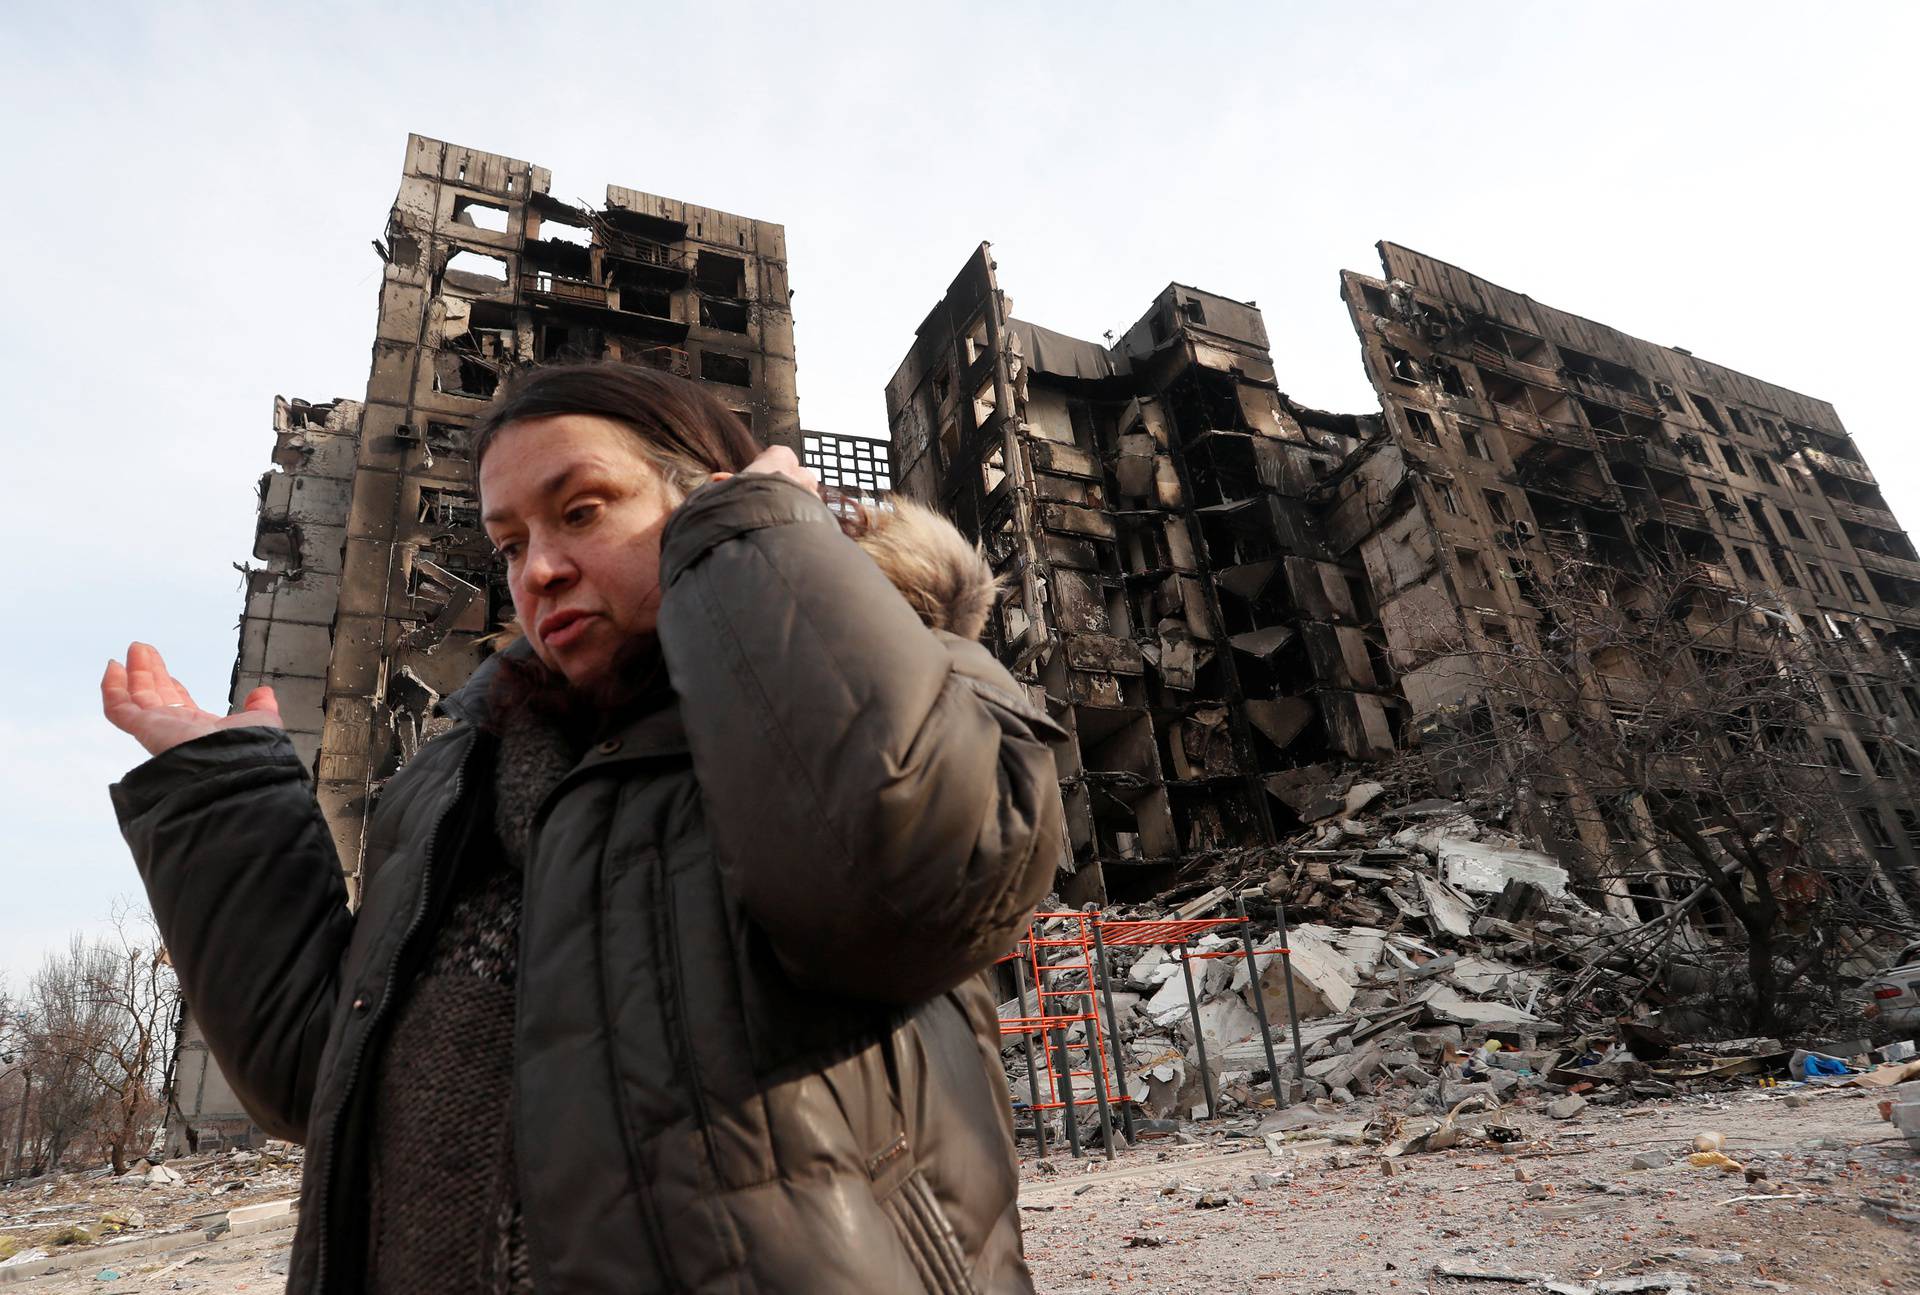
151,1236
1326,1219
1323,1218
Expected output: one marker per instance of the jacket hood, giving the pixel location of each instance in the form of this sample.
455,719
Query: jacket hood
945,579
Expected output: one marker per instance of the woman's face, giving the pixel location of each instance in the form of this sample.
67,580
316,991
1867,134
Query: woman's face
577,514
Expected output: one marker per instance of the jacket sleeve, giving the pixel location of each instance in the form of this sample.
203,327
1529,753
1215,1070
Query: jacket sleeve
881,797
245,886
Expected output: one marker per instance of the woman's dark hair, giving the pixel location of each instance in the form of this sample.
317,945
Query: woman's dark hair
683,430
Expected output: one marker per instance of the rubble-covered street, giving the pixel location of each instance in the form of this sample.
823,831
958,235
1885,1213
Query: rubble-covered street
1823,1199
211,1223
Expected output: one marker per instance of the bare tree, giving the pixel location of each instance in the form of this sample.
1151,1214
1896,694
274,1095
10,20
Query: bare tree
100,1038
1655,724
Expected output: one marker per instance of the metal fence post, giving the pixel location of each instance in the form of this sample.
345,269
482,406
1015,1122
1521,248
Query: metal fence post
1063,1079
1260,1004
1113,1033
1199,1041
1293,1009
1026,1041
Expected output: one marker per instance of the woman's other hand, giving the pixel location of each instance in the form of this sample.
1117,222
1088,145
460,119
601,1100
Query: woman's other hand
778,461
142,699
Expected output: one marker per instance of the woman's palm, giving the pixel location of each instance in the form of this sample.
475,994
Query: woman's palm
140,698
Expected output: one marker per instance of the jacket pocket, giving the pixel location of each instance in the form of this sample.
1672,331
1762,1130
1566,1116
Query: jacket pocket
930,1242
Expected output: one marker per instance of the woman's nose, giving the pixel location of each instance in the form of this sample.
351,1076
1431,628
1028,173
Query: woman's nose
549,566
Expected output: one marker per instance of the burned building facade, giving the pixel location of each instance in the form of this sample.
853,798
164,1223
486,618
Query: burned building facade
1222,594
1519,439
485,271
1169,592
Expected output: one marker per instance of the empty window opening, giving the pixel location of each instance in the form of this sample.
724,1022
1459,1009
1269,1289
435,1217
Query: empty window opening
1825,533
1734,463
734,370
1401,368
1497,505
1708,413
942,383
1080,418
720,275
727,316
1448,500
1764,470
1190,311
1791,520
1475,444
1854,591
476,271
1473,568
656,303
559,231
1819,579
1877,834
450,509
1747,564
480,215
1837,757
1421,424
447,440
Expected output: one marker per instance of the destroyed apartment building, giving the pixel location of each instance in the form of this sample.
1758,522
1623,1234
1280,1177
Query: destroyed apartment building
1219,592
1228,599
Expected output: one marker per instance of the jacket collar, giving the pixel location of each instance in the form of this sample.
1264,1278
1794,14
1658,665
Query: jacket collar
658,731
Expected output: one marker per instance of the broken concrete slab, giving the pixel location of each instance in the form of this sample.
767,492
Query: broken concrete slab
1487,869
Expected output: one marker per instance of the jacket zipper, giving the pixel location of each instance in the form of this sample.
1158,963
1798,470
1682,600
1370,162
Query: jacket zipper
322,1240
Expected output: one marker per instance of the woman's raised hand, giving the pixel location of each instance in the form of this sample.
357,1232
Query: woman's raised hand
142,699
779,461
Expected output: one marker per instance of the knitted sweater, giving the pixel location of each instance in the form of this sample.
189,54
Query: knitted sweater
444,1205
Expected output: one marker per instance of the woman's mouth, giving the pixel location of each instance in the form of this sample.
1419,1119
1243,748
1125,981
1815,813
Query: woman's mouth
564,628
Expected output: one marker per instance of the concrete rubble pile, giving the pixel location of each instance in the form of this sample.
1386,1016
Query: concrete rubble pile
1434,958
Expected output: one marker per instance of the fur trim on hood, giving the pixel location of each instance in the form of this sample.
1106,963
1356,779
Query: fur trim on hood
943,578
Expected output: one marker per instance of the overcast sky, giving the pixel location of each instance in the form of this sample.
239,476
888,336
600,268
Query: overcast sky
195,187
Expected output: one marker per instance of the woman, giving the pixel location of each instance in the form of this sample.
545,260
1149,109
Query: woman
665,974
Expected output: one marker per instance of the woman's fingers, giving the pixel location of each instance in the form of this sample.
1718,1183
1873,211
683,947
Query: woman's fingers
142,686
115,703
262,702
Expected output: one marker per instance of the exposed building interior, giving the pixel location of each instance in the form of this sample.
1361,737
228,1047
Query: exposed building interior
1223,594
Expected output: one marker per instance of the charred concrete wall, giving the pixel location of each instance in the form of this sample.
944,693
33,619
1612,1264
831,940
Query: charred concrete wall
1220,593
286,641
1518,438
1170,596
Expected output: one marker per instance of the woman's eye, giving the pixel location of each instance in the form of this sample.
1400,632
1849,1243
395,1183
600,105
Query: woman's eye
581,514
510,551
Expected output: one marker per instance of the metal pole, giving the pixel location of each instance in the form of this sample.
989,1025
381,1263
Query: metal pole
1033,1071
1199,1042
1113,1033
1293,1009
1063,1078
1098,1071
1260,1005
